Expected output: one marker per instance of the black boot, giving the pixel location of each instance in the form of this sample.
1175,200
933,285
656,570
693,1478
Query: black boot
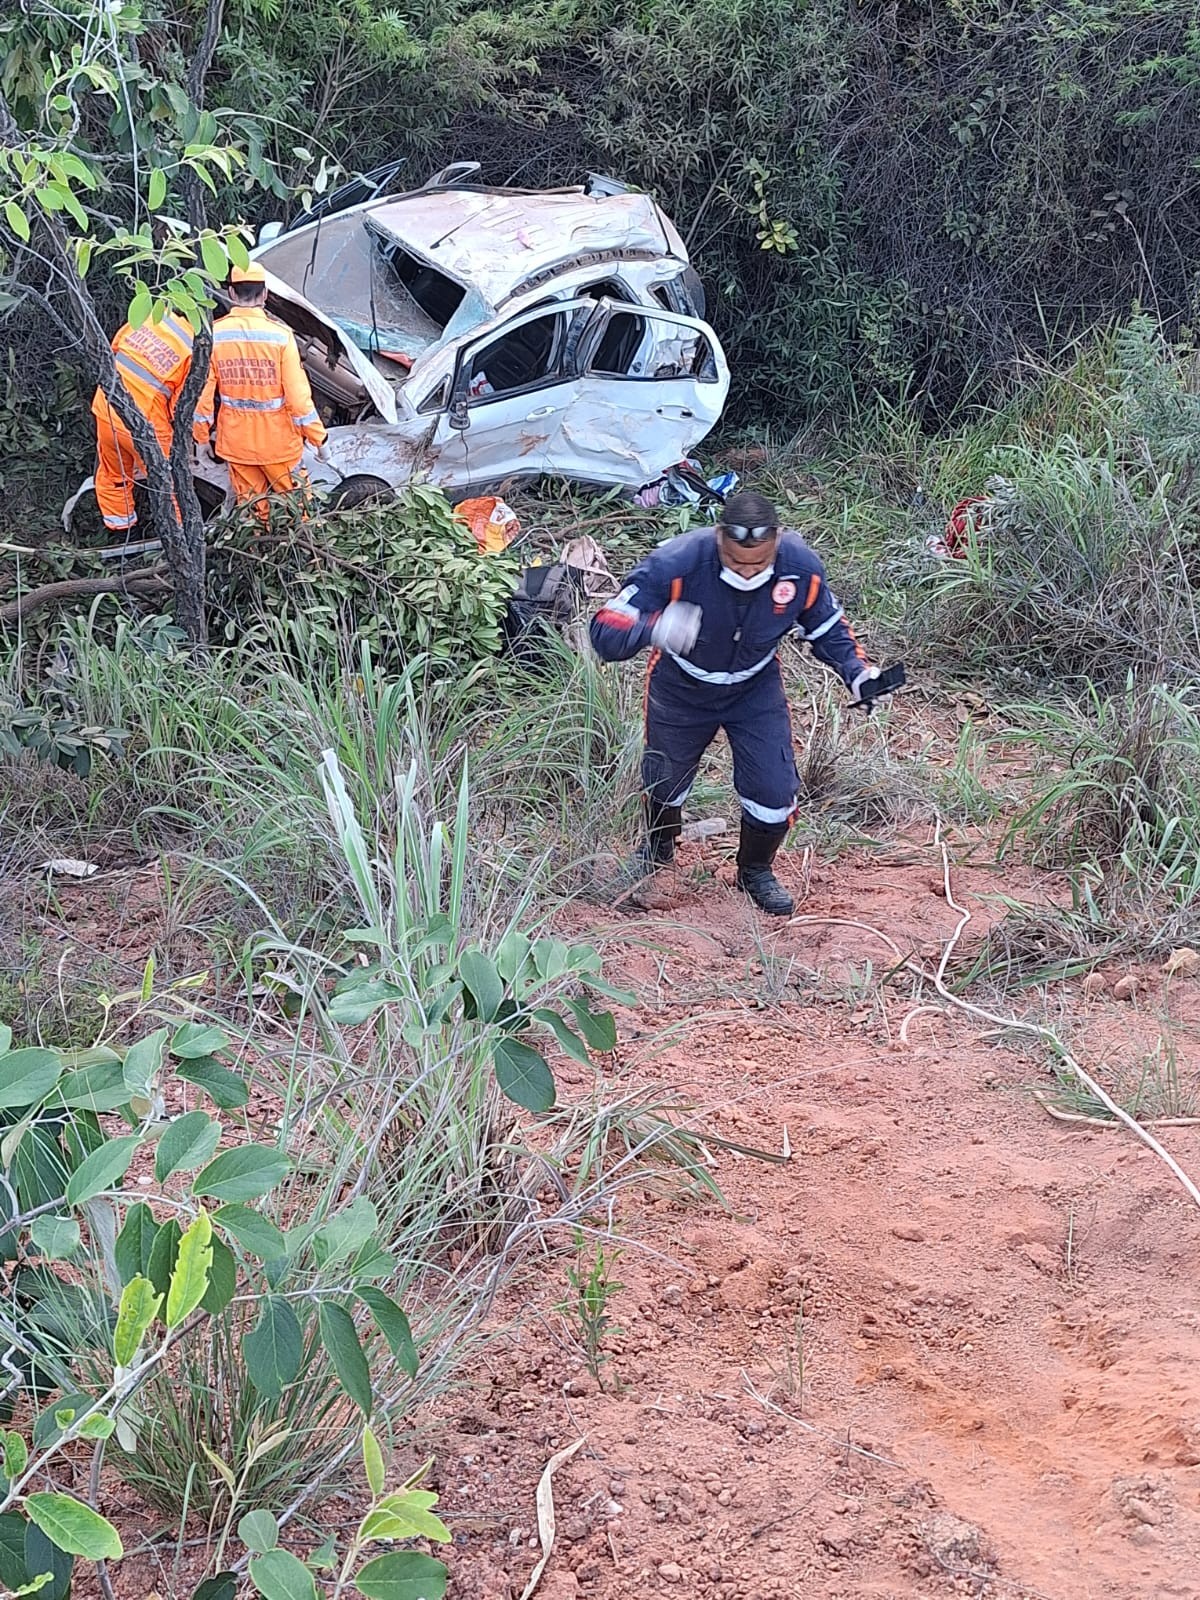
657,849
756,852
664,824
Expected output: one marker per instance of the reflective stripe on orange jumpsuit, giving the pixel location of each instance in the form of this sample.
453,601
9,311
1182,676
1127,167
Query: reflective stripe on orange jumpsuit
267,409
153,362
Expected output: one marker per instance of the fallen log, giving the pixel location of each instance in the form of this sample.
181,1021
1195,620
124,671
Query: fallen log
142,583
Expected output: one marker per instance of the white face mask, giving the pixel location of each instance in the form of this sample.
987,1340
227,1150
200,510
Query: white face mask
736,581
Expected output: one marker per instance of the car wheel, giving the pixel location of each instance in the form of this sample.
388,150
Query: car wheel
360,489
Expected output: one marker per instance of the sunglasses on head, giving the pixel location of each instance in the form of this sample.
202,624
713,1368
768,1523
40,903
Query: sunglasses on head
740,535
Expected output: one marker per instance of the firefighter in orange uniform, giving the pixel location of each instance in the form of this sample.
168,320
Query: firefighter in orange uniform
267,410
153,362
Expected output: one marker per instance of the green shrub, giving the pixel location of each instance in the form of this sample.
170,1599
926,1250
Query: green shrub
407,579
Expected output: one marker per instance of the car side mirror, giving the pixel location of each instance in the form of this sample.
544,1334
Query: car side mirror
460,418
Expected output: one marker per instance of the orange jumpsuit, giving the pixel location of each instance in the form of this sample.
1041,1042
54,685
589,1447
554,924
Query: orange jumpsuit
153,362
267,409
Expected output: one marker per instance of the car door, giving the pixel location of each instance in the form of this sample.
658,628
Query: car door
508,395
651,385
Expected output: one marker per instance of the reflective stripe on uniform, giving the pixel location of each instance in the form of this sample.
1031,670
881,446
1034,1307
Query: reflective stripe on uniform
253,405
134,367
817,633
307,419
251,336
179,329
203,416
720,677
120,524
769,814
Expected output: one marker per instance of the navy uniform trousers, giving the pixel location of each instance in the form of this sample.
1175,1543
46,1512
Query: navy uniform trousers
684,716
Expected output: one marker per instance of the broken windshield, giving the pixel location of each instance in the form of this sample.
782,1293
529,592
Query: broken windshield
390,303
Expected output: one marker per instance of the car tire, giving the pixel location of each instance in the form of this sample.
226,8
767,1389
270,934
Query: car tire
360,489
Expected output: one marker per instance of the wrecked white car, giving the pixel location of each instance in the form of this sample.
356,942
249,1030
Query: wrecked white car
474,335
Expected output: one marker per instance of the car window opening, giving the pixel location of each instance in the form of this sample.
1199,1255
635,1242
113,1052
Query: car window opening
643,347
522,358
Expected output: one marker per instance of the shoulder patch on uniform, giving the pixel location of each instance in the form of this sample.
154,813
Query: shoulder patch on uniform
784,592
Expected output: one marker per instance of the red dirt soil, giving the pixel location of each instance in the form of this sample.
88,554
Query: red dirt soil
1000,1388
951,1346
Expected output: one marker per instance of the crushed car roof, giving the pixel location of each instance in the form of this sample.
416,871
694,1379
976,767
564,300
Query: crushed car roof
500,241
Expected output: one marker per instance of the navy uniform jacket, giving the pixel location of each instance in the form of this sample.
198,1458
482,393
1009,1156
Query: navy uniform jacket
741,629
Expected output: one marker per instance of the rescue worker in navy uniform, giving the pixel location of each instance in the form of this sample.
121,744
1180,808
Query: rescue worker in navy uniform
712,606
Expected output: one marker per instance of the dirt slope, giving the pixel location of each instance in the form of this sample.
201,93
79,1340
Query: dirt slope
999,1386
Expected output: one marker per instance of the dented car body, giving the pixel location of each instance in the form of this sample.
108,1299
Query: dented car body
472,336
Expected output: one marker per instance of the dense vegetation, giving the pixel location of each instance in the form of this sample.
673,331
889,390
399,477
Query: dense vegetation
880,197
303,1146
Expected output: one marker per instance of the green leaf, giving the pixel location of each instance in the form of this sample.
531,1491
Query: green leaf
42,1556
512,954
567,1038
138,1309
5,1046
74,1527
223,1586
551,957
192,1040
222,1279
187,1144
236,247
17,220
393,1325
216,262
189,1280
355,1004
279,1576
405,1516
97,1427
273,1348
39,1172
372,1463
253,1232
523,1076
226,1090
340,1338
346,1232
140,306
481,978
403,1575
135,1241
13,1570
244,1173
102,1170
157,191
258,1531
56,1237
163,1254
599,1028
143,1062
16,1456
27,1077
99,1086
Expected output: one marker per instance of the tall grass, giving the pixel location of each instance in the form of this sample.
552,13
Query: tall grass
1116,803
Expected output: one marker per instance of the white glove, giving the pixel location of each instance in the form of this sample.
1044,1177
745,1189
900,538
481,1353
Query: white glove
856,687
322,454
677,629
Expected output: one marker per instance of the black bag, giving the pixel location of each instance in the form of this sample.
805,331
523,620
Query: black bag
545,599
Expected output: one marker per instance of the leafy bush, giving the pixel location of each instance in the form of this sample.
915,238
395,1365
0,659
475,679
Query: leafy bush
406,578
